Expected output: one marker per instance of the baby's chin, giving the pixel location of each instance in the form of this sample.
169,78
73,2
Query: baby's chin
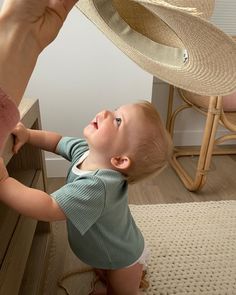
87,130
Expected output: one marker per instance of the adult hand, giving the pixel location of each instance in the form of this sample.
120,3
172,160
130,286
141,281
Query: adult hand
43,18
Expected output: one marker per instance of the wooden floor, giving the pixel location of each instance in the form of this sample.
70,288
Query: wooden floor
167,188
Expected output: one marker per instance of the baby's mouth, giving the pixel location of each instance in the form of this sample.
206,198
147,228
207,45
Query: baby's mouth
95,123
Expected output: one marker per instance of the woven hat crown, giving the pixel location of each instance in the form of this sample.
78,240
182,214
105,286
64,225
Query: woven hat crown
146,23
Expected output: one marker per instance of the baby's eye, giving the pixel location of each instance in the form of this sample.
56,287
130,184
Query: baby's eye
118,121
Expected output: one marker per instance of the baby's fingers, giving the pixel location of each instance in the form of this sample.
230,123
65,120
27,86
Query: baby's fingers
17,145
20,137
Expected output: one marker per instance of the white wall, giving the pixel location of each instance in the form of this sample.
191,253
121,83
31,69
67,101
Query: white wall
224,16
189,124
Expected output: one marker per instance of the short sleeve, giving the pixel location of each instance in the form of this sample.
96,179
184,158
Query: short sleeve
9,116
71,147
82,201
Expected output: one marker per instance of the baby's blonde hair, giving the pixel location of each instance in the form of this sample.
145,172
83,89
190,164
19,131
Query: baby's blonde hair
154,148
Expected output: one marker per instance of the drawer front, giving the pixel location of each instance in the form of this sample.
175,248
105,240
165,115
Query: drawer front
9,217
8,221
14,262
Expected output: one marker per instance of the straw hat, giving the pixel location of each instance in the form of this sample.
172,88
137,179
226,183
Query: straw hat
170,39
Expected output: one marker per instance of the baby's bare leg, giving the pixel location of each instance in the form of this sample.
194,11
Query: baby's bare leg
124,281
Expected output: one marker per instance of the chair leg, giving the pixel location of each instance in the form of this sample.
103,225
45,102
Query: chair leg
206,150
170,106
171,116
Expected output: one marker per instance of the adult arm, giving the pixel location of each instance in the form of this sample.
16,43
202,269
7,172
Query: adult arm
26,28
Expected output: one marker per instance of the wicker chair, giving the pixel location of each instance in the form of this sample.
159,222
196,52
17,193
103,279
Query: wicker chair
217,110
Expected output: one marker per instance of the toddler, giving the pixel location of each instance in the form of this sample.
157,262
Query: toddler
120,147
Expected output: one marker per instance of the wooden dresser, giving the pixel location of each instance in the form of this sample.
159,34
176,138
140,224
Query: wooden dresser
24,241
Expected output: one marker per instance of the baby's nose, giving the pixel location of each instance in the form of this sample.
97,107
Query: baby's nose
105,113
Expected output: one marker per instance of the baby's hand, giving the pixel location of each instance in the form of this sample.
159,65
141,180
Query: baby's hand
21,137
3,171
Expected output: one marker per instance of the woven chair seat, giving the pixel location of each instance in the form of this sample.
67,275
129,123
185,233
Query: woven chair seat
229,101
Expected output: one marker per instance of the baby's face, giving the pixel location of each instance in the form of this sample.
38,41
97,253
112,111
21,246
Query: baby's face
116,132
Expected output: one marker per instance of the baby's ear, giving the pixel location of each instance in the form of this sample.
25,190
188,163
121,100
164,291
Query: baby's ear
121,162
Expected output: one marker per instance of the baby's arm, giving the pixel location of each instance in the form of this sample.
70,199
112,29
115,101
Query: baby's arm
45,140
27,201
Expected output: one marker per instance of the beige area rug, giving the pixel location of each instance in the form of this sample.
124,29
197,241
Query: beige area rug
193,247
192,251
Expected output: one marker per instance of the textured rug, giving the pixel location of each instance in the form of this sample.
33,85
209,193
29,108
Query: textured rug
192,250
192,245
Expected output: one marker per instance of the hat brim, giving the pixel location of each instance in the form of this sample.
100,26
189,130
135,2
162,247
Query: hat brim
209,68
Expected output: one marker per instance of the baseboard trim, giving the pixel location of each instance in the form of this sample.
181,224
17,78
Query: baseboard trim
57,167
194,137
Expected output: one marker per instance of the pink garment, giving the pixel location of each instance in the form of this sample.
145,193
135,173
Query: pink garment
229,102
9,116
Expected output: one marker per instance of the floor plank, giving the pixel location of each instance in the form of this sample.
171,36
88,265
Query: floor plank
167,187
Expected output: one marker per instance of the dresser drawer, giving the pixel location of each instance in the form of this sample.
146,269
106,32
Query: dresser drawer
17,252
